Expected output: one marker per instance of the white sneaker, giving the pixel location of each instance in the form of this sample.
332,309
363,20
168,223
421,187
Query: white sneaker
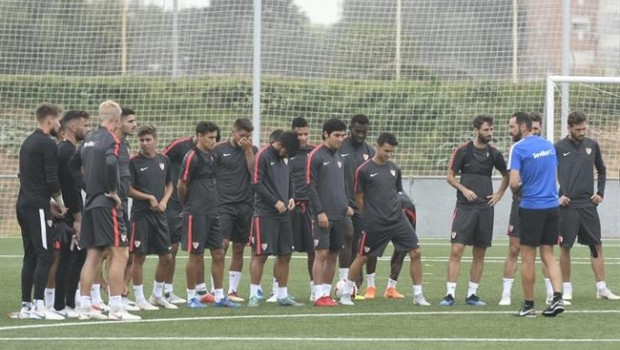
123,316
22,314
127,301
46,314
345,299
93,314
505,300
128,307
273,298
312,298
71,313
567,296
174,299
606,294
102,307
161,301
145,305
420,300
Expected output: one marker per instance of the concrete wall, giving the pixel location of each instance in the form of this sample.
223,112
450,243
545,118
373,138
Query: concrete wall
435,200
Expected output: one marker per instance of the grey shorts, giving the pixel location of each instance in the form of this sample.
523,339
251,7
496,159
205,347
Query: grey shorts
473,226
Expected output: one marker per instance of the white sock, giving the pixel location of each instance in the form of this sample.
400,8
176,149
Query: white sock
158,288
49,297
392,283
417,289
218,294
115,304
318,291
95,294
602,285
201,287
191,293
549,288
85,303
327,289
282,292
349,286
567,287
234,277
39,305
168,288
138,291
78,296
212,285
473,289
370,280
254,288
343,273
507,286
451,289
311,286
274,286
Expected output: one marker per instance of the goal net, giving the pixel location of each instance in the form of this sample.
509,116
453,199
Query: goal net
422,69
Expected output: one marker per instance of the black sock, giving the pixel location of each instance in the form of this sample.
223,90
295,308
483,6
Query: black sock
557,296
528,304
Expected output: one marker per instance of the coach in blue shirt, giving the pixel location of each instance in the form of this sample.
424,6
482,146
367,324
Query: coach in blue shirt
533,168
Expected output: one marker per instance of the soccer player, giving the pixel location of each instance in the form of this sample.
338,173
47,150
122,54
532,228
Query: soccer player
175,152
101,228
355,151
126,128
514,231
533,169
75,126
38,180
330,209
150,188
271,226
197,193
473,216
377,184
234,159
577,156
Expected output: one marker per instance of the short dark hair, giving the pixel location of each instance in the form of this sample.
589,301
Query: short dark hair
244,124
523,118
387,137
576,117
536,117
147,130
481,119
71,116
299,122
359,119
45,110
288,140
275,135
333,124
206,127
127,111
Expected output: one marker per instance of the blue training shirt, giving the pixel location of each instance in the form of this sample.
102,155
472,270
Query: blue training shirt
534,158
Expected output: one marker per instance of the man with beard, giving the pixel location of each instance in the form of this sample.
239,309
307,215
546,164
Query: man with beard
533,171
38,180
472,222
577,156
75,126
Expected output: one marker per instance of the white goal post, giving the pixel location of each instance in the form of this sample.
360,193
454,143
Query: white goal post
552,80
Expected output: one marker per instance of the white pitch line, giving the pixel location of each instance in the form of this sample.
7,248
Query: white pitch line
348,340
280,316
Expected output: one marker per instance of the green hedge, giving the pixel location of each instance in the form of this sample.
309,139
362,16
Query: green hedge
430,118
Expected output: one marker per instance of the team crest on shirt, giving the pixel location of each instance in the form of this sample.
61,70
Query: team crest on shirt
339,164
393,172
162,166
366,249
123,238
365,156
316,242
137,244
588,150
263,246
195,245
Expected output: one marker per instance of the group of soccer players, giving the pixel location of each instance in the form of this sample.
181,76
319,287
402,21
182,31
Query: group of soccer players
341,203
